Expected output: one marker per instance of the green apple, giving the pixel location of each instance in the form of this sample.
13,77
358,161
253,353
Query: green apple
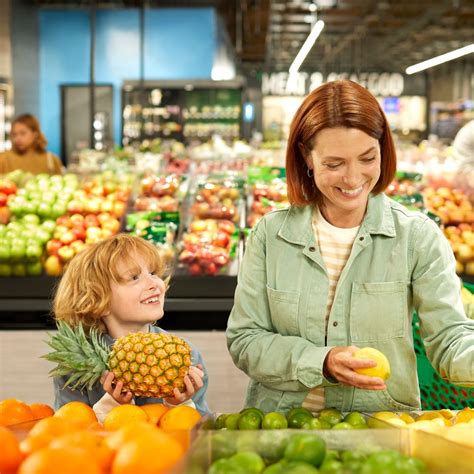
5,270
49,225
19,269
34,268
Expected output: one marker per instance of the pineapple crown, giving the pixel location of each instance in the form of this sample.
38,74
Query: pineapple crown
83,358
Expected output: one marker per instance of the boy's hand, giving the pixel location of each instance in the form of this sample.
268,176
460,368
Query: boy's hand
115,389
192,382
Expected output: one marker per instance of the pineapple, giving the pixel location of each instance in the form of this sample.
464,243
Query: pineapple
148,364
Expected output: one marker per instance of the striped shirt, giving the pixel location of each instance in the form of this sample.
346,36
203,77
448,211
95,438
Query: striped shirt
335,245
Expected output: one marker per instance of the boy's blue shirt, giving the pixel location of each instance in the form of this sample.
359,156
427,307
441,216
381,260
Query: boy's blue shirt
91,397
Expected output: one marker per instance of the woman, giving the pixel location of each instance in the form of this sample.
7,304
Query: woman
343,268
28,151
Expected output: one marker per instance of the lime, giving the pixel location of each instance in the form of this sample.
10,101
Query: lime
298,418
331,466
332,454
300,468
353,454
231,421
220,421
331,415
249,420
404,466
271,445
277,468
248,462
342,426
324,424
382,369
222,445
252,410
245,440
306,447
311,424
352,467
418,463
274,421
298,410
223,466
381,461
355,418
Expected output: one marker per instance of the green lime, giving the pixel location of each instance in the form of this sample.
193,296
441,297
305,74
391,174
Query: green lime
249,420
222,445
331,466
352,467
298,419
311,424
245,440
298,410
252,410
331,415
307,448
300,468
277,468
360,427
342,426
355,418
324,424
223,466
417,463
231,422
248,462
332,454
274,421
220,421
353,455
381,461
271,445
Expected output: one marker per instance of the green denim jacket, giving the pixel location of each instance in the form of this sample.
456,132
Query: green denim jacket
400,262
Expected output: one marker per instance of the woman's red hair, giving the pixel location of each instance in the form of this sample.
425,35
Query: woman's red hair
335,104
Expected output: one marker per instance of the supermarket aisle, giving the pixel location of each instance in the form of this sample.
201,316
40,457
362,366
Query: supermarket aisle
23,374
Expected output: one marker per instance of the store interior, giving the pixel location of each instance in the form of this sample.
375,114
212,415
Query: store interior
171,117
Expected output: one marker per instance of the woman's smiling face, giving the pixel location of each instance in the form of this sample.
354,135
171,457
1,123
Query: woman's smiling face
346,166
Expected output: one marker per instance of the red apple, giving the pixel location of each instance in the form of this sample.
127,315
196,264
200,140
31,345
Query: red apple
53,246
75,206
78,246
3,199
66,253
67,238
79,233
76,219
111,224
91,220
63,221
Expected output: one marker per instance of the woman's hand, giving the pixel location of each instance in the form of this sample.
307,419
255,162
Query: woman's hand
115,390
192,382
340,364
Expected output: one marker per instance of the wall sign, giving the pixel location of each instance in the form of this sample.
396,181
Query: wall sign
300,84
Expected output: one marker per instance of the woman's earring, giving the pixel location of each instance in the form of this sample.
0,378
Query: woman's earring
309,172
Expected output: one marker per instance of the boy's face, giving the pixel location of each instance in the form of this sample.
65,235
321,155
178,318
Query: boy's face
138,299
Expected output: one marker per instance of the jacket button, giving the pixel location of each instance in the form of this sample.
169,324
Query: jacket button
361,238
312,248
334,323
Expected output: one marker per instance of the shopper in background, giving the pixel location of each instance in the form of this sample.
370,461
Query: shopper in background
464,154
104,287
28,151
344,267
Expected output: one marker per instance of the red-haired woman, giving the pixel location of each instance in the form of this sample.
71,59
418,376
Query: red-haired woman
344,267
28,151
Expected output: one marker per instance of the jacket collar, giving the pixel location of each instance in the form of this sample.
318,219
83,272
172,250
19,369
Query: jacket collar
297,228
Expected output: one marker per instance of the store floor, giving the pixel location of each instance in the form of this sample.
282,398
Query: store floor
24,375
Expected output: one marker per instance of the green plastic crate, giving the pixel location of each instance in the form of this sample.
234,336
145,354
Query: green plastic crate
436,393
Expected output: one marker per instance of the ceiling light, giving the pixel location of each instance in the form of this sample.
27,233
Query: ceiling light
457,53
307,45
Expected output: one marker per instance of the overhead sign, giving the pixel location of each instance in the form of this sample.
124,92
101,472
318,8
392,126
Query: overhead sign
300,84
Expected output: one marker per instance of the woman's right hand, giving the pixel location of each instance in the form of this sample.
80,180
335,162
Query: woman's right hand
340,364
115,390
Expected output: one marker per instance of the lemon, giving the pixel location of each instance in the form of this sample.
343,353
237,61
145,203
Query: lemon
379,419
382,369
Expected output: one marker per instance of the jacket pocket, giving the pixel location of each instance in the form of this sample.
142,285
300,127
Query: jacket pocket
378,311
284,311
378,400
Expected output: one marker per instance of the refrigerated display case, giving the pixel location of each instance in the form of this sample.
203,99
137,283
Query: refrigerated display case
183,110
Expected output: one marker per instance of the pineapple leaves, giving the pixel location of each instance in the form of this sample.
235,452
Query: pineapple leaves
78,356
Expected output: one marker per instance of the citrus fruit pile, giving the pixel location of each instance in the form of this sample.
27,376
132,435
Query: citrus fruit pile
132,439
298,418
277,452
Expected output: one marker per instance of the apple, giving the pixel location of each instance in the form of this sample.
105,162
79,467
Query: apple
75,206
3,199
53,266
103,217
33,252
119,208
78,246
111,224
93,205
67,237
4,215
91,220
66,253
19,269
53,246
79,233
49,225
34,268
5,270
107,206
195,269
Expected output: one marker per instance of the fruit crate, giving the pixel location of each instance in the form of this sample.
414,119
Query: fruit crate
436,393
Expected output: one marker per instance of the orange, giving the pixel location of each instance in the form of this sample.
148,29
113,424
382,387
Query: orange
178,422
123,415
11,456
92,442
41,410
14,411
44,432
78,413
127,433
153,452
154,411
59,460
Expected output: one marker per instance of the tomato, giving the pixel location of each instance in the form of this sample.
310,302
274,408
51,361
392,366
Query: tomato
274,421
307,448
249,421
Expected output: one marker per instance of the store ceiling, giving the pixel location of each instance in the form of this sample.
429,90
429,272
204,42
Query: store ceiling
359,35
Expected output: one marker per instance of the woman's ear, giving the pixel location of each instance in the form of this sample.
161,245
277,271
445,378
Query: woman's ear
306,156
